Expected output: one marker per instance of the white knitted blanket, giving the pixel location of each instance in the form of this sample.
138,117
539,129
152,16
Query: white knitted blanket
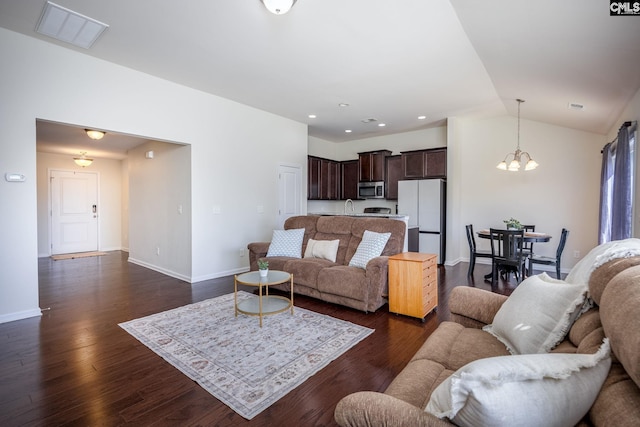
602,254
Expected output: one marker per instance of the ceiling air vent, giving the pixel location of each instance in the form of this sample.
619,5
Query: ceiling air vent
69,26
575,106
369,120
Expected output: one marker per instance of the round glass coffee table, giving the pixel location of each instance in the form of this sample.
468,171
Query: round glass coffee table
262,304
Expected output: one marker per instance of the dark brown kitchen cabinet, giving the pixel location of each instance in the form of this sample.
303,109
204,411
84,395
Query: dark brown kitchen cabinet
373,165
313,182
431,163
350,171
323,179
394,174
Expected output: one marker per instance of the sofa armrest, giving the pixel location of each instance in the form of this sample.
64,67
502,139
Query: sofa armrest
257,250
369,409
378,276
473,307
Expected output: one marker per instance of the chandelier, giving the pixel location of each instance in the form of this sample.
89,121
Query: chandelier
278,7
518,156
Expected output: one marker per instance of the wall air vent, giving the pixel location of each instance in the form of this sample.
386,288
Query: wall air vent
68,26
575,106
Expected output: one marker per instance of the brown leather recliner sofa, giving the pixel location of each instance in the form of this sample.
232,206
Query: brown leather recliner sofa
337,282
614,287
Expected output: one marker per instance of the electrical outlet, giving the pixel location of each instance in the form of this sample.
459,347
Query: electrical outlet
241,252
576,254
158,250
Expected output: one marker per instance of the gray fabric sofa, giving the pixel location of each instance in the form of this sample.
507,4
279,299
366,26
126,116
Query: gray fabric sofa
615,288
337,282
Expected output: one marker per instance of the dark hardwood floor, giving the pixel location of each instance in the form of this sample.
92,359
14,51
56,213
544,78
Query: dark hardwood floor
76,366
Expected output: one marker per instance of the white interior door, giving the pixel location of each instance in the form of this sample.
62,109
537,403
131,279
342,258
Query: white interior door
74,211
289,188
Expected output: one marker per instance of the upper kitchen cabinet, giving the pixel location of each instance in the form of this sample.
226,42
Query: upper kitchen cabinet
350,175
324,179
420,164
373,165
394,174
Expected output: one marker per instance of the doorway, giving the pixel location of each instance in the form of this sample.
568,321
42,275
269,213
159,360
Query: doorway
74,211
289,182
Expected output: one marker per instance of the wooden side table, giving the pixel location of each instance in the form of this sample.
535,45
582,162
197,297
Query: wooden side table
413,284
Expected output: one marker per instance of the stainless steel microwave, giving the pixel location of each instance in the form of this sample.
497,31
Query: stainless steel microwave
371,190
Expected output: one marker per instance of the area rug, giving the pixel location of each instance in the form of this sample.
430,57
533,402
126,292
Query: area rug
77,255
246,367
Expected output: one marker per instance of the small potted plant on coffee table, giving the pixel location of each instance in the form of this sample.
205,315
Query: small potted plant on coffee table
263,267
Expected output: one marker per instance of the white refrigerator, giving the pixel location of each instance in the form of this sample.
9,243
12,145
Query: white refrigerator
424,201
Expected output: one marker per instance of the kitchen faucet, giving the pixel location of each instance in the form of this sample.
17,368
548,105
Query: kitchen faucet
346,202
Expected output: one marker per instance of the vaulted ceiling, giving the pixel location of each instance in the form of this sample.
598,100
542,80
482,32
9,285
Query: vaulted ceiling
391,61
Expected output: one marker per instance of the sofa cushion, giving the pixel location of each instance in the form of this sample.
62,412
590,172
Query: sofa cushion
523,390
620,318
453,346
305,271
286,243
538,314
325,249
345,281
371,246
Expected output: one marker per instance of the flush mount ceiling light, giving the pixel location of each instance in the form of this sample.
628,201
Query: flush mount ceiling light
69,26
517,156
95,134
83,161
278,7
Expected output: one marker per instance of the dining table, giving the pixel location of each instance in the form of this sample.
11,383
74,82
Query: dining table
529,236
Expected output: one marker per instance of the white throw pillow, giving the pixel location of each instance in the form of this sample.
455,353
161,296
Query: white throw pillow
538,314
286,243
555,389
325,249
371,246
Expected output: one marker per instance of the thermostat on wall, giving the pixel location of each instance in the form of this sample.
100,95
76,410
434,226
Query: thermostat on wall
14,177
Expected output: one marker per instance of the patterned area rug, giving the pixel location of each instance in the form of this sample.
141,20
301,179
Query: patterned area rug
247,367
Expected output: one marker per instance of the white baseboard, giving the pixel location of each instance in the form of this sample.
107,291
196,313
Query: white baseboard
19,315
219,274
160,269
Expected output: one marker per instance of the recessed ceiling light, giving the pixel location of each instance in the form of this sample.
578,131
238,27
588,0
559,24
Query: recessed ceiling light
382,125
343,104
68,26
312,116
422,117
347,131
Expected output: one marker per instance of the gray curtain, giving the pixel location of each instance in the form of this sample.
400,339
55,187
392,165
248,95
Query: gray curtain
606,191
616,191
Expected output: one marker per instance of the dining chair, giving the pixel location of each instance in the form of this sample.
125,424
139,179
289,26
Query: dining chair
527,247
506,250
546,260
473,252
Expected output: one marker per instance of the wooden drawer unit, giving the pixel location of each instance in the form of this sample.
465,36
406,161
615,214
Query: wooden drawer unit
413,284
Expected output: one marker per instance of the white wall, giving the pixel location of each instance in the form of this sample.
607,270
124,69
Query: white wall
235,151
109,202
562,192
160,208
